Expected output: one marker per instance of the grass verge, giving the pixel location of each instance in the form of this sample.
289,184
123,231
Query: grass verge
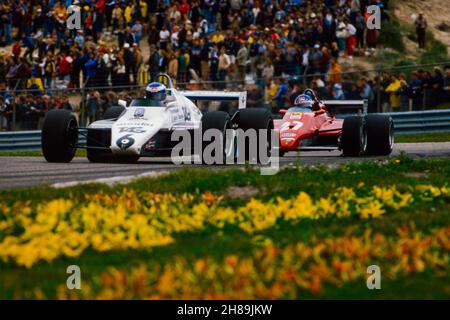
423,137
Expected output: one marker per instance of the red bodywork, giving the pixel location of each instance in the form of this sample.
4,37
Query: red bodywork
312,128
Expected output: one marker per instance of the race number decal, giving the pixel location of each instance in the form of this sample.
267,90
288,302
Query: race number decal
297,125
125,142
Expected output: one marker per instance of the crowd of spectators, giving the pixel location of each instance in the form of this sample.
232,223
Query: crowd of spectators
272,48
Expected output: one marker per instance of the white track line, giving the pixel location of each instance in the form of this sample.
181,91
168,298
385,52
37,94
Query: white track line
112,180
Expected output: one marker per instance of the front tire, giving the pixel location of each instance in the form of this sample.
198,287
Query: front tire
59,136
380,134
354,137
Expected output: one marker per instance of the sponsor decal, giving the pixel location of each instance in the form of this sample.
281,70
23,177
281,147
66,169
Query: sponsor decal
125,142
151,144
132,129
131,124
139,113
296,115
288,135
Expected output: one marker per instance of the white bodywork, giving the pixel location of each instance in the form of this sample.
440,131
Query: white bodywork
138,124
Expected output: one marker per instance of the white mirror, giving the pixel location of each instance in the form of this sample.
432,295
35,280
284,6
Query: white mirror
122,103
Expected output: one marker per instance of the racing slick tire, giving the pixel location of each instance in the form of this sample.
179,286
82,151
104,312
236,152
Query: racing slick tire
380,135
113,112
59,136
219,120
256,118
354,137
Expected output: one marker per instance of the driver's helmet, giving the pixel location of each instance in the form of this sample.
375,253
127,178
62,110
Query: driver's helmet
155,91
303,101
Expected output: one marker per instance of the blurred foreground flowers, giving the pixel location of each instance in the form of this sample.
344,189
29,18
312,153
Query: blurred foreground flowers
277,273
67,227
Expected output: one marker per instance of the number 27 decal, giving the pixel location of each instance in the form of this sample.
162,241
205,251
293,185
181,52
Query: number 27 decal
297,125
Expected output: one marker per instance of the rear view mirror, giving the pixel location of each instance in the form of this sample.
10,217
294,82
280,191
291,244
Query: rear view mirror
122,103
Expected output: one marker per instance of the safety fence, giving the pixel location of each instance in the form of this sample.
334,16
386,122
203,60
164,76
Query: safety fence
405,123
416,122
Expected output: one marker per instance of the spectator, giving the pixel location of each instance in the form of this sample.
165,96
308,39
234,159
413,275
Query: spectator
173,66
281,94
213,62
223,65
91,70
360,25
93,109
242,56
338,94
351,39
404,94
153,63
446,87
137,31
254,97
415,86
421,30
341,35
335,72
394,98
365,91
437,86
183,61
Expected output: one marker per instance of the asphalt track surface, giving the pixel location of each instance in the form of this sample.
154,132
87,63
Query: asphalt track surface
22,172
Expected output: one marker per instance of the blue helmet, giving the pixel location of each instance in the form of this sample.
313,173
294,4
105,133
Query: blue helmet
304,101
155,91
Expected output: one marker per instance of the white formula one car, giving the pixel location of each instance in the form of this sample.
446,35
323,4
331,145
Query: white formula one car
144,127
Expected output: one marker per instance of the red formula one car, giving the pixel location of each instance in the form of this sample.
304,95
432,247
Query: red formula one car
312,125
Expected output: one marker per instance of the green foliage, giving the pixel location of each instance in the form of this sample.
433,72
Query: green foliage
391,37
436,52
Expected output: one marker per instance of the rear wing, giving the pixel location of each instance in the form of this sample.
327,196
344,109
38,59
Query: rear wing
345,107
240,96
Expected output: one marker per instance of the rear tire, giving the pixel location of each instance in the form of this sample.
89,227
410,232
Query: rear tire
59,136
215,120
256,118
354,137
113,112
380,134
